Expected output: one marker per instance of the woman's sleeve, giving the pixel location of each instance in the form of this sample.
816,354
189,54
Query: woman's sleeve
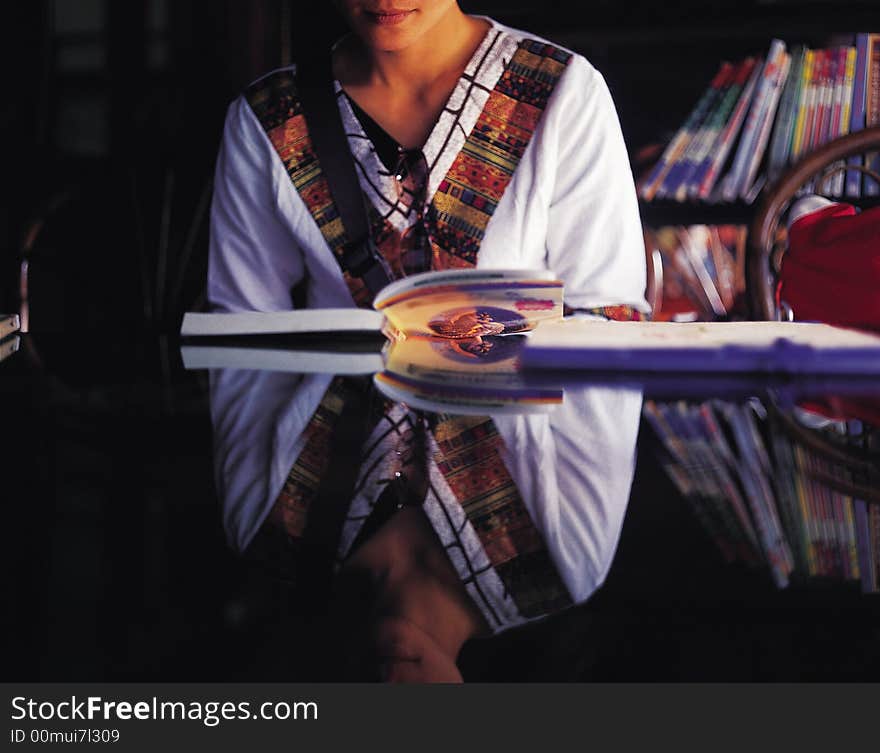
254,258
259,421
594,235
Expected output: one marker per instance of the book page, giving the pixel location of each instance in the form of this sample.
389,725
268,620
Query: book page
281,322
469,305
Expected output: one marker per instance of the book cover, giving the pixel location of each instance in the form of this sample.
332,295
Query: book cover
752,473
749,545
825,112
725,268
725,496
805,502
874,526
872,111
857,113
863,543
695,242
693,152
814,90
676,147
735,180
712,132
729,135
780,145
836,128
785,488
694,469
849,524
777,82
797,144
848,61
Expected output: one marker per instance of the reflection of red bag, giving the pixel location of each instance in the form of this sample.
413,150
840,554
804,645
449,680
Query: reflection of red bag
831,270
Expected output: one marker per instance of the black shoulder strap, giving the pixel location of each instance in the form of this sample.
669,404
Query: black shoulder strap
318,100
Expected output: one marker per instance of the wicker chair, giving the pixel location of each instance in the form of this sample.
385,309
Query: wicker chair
764,247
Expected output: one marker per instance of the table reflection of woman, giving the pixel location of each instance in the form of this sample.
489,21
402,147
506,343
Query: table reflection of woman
475,145
414,583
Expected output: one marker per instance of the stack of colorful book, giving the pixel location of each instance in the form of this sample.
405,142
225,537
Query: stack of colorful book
703,271
760,115
767,499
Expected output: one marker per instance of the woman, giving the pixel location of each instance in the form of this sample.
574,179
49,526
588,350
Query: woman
547,186
475,144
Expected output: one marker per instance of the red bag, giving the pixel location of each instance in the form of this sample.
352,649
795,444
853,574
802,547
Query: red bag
831,273
831,270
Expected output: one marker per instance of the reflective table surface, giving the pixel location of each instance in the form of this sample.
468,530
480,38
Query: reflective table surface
246,524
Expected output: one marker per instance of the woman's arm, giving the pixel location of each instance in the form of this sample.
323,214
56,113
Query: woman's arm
254,257
594,233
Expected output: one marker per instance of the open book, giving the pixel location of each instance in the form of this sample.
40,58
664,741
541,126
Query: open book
473,313
469,309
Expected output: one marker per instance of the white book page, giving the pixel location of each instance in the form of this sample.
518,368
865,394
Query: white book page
281,322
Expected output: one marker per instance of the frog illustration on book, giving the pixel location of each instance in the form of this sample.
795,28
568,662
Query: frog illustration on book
474,331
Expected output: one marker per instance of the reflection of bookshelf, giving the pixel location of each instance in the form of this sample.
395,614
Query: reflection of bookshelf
772,492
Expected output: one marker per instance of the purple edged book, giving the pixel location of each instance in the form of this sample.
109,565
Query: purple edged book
703,347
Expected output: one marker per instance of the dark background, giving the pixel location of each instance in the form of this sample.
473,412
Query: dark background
110,124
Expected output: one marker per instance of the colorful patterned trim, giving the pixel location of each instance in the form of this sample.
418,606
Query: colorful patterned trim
276,105
469,457
469,194
290,511
617,313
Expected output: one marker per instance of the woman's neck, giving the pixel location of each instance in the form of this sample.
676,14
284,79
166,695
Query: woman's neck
436,56
405,90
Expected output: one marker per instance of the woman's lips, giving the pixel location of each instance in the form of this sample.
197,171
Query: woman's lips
391,18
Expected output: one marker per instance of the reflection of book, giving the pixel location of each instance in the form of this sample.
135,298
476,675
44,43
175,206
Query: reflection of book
426,371
9,346
300,354
9,323
433,373
465,305
703,347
